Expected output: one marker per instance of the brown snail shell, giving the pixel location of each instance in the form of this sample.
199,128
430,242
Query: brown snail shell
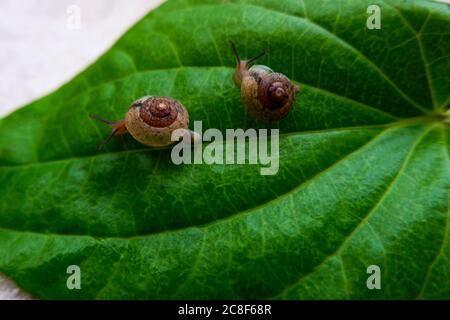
151,121
266,95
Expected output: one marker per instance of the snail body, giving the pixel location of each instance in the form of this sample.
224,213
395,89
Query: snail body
266,95
151,121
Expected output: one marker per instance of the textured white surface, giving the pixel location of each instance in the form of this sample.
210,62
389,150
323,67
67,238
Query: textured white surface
42,47
9,291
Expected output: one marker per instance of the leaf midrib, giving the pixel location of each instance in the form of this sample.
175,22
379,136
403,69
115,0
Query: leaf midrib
155,149
237,214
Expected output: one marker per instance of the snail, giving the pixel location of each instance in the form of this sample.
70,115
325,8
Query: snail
151,121
266,95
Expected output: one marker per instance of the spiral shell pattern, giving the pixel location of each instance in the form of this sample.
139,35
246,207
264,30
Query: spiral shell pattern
151,120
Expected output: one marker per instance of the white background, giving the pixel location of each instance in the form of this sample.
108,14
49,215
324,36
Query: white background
40,50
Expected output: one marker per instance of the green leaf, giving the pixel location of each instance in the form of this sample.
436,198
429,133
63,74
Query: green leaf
364,172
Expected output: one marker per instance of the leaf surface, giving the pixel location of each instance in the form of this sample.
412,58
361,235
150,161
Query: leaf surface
363,176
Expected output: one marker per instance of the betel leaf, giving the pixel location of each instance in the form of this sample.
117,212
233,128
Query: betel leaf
363,177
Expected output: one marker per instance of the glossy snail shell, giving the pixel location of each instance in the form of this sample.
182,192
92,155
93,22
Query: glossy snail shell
151,120
266,95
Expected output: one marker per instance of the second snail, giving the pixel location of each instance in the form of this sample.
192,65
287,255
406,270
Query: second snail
151,121
266,95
